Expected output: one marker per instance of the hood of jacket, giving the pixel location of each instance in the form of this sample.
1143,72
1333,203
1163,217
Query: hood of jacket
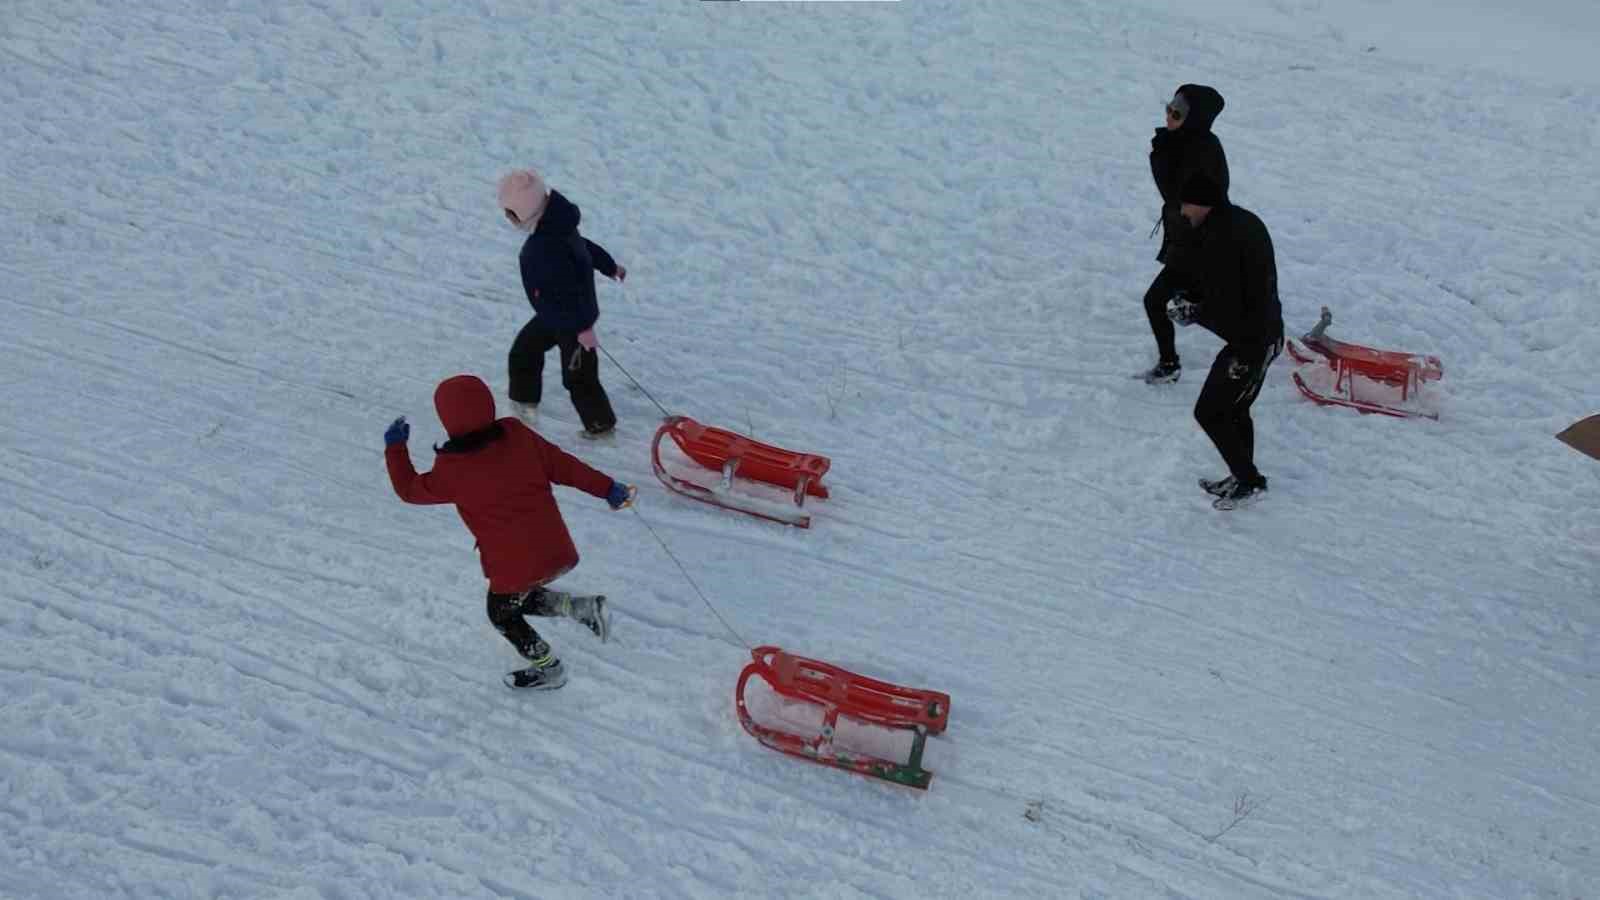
464,404
561,216
1205,104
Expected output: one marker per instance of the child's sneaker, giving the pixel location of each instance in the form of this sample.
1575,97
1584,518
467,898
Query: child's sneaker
591,612
1241,493
527,412
546,672
1218,488
547,677
1165,372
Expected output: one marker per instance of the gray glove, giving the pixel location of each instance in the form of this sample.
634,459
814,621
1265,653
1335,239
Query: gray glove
1181,310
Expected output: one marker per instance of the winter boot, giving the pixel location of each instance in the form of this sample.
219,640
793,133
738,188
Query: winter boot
591,612
546,672
527,412
1165,372
1218,488
1241,493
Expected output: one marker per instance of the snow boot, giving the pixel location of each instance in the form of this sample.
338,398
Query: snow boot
1241,493
591,613
545,674
1164,372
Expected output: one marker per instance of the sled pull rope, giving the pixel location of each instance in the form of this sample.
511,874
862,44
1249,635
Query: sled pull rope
690,578
646,522
635,384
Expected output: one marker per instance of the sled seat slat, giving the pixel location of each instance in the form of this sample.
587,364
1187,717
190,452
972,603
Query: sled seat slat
840,692
715,448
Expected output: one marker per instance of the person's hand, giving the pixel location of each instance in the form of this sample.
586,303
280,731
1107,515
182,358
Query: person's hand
587,340
621,274
398,433
1181,310
621,495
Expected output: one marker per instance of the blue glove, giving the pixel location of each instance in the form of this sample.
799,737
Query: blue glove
399,432
620,496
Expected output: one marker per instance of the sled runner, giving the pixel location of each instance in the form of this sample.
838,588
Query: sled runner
840,693
1391,382
735,456
1583,436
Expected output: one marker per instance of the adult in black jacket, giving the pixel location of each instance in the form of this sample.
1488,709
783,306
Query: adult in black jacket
558,266
1233,292
1182,149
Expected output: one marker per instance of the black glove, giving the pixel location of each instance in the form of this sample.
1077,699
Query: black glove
1182,310
1164,139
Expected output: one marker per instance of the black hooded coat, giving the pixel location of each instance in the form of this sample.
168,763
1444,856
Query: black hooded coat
1177,154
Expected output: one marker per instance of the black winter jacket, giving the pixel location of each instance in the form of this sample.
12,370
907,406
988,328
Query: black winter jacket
1176,155
558,266
1236,277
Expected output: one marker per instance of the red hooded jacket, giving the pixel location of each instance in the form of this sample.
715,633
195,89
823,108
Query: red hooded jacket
500,486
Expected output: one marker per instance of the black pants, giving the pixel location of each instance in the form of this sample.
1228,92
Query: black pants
506,613
580,373
1161,290
1223,408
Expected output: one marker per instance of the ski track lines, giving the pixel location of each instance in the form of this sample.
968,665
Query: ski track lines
245,669
340,700
341,703
1338,722
352,639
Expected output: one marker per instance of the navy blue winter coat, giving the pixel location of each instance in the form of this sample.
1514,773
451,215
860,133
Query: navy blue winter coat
558,266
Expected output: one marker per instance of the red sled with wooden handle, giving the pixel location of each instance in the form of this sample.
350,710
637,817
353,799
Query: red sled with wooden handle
856,698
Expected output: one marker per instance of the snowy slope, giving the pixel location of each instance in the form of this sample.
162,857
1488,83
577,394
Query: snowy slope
241,238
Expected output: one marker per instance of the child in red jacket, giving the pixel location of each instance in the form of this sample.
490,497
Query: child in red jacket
498,473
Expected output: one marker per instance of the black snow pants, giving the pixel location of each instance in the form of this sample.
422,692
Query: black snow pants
1223,408
580,374
1161,290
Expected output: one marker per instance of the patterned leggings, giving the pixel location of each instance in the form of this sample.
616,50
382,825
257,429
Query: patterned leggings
1223,407
506,613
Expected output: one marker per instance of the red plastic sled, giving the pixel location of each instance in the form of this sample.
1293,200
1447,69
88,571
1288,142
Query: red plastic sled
842,693
737,456
1351,363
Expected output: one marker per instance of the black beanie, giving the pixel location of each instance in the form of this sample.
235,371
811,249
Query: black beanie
1201,190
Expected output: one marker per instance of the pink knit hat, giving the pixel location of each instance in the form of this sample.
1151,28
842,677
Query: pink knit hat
523,192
